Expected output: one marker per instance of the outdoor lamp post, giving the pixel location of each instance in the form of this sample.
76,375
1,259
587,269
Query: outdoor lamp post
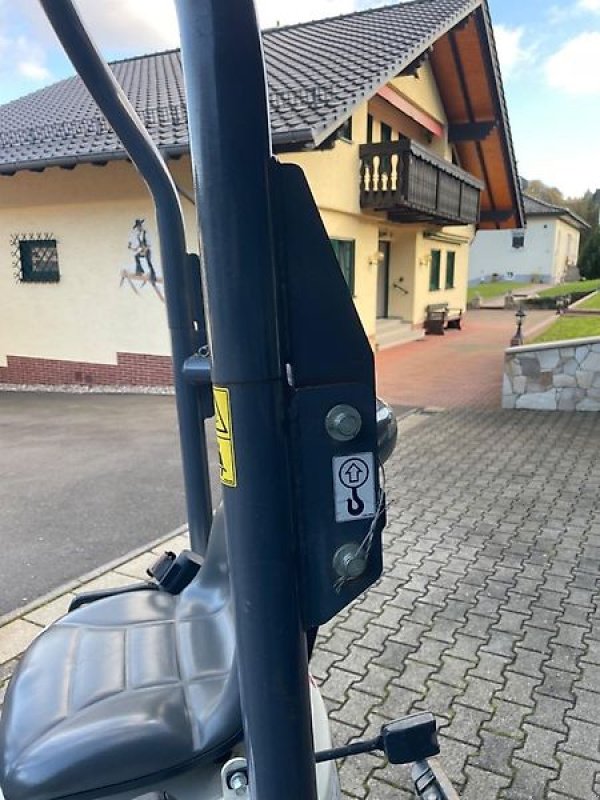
517,339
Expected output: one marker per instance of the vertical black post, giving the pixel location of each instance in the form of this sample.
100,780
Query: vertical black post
230,146
177,266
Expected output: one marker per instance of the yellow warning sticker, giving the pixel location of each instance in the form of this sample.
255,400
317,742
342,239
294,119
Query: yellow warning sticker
224,428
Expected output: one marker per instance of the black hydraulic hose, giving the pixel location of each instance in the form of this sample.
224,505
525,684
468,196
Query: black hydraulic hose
179,288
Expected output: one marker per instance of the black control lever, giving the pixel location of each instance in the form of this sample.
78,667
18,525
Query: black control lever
412,738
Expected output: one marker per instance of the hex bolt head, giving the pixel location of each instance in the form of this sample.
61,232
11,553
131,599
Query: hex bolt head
239,783
343,423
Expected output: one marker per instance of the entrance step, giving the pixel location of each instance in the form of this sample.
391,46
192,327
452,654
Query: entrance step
391,332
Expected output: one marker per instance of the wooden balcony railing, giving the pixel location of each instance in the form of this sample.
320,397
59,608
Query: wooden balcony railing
413,185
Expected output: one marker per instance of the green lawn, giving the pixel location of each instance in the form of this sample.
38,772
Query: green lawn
592,303
569,328
570,288
489,290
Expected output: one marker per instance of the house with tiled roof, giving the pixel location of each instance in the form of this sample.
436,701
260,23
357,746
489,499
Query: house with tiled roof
545,250
397,116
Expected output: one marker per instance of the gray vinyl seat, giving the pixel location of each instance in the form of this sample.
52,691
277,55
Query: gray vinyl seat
125,691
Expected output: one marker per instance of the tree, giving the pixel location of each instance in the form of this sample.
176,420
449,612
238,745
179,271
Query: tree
539,189
589,260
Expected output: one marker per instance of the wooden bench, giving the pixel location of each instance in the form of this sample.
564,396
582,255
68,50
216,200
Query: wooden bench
439,316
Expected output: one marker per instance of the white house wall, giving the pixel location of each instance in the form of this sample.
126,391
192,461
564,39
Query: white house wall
549,244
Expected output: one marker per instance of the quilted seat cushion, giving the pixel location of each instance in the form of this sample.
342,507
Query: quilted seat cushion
122,692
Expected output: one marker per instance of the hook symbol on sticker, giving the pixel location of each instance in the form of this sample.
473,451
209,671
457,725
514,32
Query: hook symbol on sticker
355,505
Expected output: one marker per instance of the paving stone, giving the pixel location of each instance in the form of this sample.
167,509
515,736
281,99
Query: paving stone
570,635
577,778
50,612
336,686
482,784
565,658
536,639
415,676
491,667
550,713
442,629
358,659
375,681
322,661
507,719
382,790
454,755
495,754
466,724
340,641
15,638
530,782
518,689
540,746
587,706
528,662
394,655
500,643
583,739
439,698
430,651
479,694
355,709
409,634
468,648
399,702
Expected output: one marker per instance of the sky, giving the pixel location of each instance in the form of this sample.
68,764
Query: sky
549,53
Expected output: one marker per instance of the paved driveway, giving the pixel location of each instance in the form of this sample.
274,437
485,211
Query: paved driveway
488,612
83,479
461,368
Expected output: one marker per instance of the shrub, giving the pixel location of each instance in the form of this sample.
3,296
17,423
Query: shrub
589,260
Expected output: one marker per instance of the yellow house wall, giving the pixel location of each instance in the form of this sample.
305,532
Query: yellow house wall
333,176
566,246
457,297
87,316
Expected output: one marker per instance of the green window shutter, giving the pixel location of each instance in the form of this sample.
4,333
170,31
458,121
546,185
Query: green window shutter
450,269
344,252
434,273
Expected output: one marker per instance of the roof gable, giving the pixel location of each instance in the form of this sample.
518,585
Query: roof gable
534,207
317,73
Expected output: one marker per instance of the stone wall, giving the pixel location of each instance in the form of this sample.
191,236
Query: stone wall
556,376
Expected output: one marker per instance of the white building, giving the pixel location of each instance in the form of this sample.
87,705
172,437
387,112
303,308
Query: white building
543,251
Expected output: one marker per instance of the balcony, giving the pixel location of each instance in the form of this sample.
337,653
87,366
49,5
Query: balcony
413,185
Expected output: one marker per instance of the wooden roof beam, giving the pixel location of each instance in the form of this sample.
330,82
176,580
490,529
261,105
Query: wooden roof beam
471,131
502,215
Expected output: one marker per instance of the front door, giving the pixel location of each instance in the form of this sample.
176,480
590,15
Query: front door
383,280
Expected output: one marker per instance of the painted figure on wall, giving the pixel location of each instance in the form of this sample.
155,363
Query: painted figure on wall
143,270
139,242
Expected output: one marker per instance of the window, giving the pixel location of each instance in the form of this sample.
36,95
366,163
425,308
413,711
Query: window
518,240
450,269
369,128
35,258
345,130
344,252
434,273
386,133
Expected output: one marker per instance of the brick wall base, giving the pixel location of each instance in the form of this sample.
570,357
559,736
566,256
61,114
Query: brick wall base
131,369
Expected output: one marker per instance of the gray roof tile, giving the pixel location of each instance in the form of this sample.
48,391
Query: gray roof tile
540,208
317,72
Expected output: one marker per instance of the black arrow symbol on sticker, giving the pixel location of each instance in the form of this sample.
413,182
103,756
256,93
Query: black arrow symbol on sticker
355,504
